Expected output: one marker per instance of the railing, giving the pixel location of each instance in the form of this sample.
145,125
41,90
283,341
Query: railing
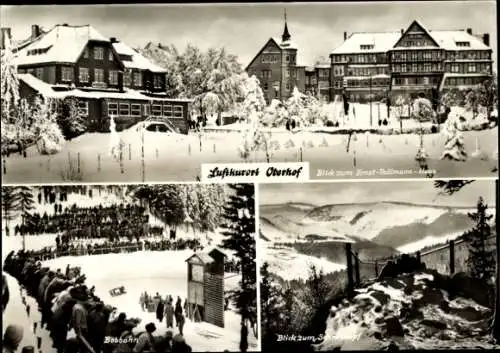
362,271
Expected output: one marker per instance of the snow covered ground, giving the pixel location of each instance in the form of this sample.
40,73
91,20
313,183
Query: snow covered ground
177,157
164,272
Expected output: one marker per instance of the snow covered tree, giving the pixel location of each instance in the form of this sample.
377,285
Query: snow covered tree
454,148
449,187
71,122
211,198
481,259
9,82
25,200
48,136
271,306
238,229
422,110
9,206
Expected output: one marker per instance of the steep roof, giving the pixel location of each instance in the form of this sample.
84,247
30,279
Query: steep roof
60,44
384,41
285,44
138,60
203,257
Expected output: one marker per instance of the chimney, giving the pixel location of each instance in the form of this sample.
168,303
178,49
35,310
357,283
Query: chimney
113,40
345,36
469,31
65,25
402,31
4,34
35,31
486,39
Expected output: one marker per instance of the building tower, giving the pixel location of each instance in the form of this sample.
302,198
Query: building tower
288,62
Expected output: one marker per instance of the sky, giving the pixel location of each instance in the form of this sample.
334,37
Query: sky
419,192
244,28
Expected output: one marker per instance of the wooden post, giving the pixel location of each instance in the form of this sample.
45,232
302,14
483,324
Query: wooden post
78,162
354,159
300,151
356,269
129,152
98,163
350,279
452,257
214,147
122,169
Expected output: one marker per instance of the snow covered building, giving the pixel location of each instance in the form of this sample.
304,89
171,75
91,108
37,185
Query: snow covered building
377,65
275,65
105,76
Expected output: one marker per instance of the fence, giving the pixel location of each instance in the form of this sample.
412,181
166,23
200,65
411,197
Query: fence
448,259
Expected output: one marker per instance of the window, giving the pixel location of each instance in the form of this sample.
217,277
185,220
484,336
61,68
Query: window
287,86
137,79
463,44
455,68
167,110
52,74
83,108
178,111
39,73
366,46
156,109
113,77
266,74
99,53
83,74
135,109
287,72
127,78
112,109
287,58
146,110
414,68
427,67
265,86
403,68
86,53
99,75
31,71
124,109
399,80
157,82
337,84
472,67
67,74
110,56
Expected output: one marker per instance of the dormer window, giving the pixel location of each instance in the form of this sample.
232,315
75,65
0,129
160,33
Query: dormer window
463,44
86,53
110,57
366,46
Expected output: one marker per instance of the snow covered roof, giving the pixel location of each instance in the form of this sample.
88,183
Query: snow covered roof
285,45
47,90
138,60
62,43
204,257
384,41
379,42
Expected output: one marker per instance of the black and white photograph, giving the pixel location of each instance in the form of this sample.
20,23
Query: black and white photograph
389,265
138,268
149,93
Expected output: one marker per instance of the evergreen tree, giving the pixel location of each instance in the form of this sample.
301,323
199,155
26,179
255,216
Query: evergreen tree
271,299
239,236
9,206
71,122
481,259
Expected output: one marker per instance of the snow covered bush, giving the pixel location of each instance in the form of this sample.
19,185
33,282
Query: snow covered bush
422,110
48,135
71,121
454,148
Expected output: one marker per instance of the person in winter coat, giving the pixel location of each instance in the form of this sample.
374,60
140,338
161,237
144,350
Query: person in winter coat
180,323
160,310
178,310
169,314
164,344
60,321
146,341
5,293
12,338
97,323
179,345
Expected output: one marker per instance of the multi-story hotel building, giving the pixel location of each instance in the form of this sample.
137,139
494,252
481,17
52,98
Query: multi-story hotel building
105,76
412,61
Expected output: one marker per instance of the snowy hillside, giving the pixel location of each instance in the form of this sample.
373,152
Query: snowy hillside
289,264
414,311
394,224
